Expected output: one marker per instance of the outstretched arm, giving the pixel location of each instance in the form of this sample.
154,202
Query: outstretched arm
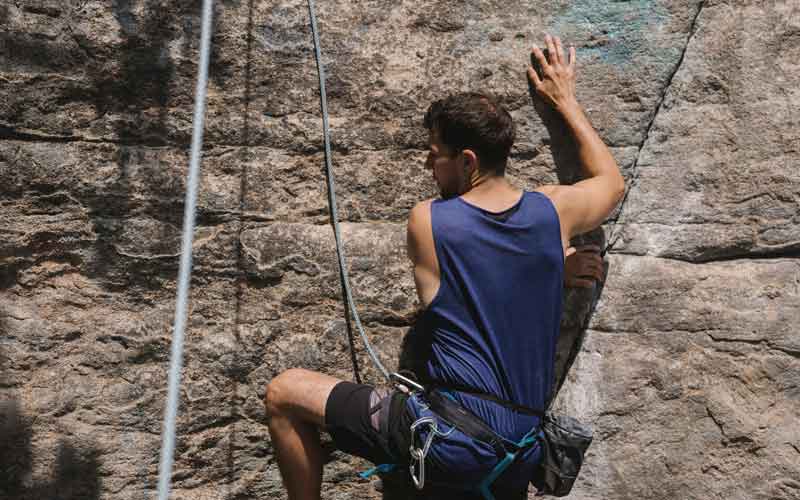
584,205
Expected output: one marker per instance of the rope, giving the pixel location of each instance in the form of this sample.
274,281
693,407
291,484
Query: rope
185,271
332,202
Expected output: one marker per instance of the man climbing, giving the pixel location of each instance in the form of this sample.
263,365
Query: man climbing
489,269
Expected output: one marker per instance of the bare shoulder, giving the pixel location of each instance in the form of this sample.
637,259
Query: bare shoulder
583,206
420,215
548,189
420,230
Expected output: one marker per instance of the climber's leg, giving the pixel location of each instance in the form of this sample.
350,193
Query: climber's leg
295,402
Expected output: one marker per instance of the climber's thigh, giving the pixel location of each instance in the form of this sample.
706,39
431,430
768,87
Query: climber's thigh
365,421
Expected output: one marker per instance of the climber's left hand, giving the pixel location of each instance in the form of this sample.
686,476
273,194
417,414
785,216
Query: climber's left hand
583,266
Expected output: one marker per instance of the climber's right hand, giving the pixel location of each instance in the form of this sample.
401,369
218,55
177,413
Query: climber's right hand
556,84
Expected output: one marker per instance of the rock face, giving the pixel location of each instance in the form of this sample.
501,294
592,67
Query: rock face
689,368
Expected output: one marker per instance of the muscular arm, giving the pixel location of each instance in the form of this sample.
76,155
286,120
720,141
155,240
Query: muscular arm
593,198
584,205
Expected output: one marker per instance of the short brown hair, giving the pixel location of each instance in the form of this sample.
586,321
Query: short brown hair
476,121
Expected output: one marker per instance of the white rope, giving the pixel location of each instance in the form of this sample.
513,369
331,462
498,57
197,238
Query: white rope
185,272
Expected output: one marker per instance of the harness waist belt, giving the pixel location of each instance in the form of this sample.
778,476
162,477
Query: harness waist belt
467,422
525,410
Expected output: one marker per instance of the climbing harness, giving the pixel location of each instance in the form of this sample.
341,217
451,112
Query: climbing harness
185,271
444,406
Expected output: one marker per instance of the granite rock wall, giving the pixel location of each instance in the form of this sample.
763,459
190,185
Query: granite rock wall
688,366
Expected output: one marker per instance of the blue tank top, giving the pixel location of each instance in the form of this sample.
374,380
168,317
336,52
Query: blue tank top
494,322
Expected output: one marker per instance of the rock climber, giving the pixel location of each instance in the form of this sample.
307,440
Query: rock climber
489,266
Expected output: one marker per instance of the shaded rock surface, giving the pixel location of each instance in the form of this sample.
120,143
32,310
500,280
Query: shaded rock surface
689,368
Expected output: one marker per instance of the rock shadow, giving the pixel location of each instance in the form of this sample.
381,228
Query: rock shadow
144,191
76,469
137,93
579,307
76,472
145,72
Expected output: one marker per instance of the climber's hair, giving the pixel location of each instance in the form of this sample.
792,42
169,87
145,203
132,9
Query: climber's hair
476,121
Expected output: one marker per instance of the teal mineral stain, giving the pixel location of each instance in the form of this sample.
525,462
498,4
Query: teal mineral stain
620,29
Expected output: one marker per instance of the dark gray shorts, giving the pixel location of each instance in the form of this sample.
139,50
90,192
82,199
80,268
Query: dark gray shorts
369,422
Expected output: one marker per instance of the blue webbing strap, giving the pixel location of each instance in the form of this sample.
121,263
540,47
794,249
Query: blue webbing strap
506,462
378,469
